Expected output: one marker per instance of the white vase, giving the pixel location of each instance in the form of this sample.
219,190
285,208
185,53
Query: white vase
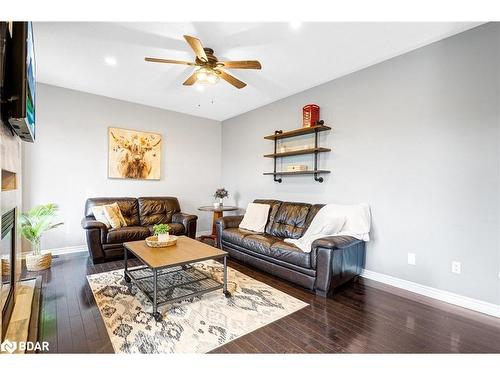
163,237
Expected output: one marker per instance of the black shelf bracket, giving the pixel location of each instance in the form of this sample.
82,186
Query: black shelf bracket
316,178
279,180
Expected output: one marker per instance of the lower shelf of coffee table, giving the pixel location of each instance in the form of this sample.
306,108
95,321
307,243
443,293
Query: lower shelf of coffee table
173,284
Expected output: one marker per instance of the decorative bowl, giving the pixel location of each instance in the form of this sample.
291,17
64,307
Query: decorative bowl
153,241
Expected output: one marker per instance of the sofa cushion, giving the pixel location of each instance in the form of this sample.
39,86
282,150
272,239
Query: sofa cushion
275,248
290,220
176,229
275,205
260,243
235,235
291,254
312,213
157,210
126,234
128,207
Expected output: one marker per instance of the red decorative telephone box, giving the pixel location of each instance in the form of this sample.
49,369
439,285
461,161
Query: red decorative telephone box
310,115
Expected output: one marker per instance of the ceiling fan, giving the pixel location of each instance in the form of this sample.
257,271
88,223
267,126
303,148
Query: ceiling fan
210,69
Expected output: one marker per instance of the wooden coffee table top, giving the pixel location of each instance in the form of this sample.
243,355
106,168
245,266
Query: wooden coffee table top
185,251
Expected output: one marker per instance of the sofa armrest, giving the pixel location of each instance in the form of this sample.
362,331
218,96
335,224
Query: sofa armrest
229,221
336,259
89,223
188,221
335,242
96,233
224,223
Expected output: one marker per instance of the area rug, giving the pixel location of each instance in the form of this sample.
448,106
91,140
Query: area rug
196,325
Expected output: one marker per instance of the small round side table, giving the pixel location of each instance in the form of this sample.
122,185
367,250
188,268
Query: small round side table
217,213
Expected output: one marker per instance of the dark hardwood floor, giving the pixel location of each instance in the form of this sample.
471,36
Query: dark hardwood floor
362,317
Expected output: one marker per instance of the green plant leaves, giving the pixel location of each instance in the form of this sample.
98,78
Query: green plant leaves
37,221
161,229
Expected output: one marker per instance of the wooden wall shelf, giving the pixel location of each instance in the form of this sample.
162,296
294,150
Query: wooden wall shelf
316,150
318,171
298,152
297,132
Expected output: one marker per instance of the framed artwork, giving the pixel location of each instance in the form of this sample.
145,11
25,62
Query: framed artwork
134,154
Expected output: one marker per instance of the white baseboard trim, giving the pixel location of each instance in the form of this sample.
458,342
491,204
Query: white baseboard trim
203,233
441,295
68,250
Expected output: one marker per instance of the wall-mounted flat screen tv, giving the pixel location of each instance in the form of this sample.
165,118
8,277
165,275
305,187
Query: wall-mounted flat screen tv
21,78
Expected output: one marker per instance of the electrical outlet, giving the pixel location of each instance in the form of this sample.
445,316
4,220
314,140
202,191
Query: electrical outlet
411,259
456,266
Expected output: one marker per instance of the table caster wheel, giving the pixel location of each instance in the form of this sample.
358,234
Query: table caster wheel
227,293
127,278
157,316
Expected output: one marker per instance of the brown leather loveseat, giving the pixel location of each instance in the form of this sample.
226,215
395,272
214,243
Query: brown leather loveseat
333,260
140,214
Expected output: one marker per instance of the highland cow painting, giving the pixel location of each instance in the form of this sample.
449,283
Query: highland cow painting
134,154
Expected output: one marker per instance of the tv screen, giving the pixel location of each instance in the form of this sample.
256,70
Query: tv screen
22,74
30,68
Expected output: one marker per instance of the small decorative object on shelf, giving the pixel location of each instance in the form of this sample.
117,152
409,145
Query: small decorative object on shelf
34,224
310,115
162,231
296,168
220,194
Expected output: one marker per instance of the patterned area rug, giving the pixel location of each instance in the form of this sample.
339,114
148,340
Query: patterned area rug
197,325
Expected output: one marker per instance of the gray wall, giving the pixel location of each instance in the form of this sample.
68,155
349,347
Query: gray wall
68,163
416,137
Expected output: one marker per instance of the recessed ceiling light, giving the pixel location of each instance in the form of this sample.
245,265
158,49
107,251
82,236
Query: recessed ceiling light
295,25
110,60
200,87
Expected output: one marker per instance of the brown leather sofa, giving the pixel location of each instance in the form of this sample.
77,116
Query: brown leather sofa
332,261
140,214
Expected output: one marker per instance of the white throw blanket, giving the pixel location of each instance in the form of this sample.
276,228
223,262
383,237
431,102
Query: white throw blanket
336,220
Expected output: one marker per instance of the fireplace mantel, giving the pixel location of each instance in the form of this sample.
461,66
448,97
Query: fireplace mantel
11,194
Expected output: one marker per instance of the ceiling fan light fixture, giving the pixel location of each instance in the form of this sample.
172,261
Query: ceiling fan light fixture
206,76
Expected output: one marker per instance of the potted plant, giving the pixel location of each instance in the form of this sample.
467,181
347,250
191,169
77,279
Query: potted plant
34,224
221,194
162,231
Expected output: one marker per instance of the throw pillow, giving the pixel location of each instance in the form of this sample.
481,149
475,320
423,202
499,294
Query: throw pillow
255,218
114,216
99,215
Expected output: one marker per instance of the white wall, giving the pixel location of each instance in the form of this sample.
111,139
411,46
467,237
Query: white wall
417,137
68,162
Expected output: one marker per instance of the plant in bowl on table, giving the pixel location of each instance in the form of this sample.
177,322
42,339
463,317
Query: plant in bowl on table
34,224
162,232
221,194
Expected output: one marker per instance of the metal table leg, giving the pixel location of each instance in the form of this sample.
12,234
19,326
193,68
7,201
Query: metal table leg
156,314
125,257
226,292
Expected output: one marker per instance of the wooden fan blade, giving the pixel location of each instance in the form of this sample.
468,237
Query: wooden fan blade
166,61
197,47
191,80
247,64
231,79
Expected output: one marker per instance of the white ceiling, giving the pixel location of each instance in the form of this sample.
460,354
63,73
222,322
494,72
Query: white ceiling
73,55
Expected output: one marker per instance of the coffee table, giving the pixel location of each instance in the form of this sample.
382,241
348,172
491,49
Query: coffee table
167,274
